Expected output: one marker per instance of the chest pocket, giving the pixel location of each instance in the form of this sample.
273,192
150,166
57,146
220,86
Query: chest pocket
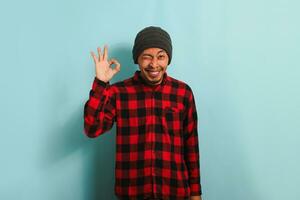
172,120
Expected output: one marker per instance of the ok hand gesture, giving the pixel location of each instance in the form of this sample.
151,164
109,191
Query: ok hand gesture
103,66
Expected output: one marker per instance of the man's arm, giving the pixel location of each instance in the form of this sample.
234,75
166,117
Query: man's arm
99,110
191,147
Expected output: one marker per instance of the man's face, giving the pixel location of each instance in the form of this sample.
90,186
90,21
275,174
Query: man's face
153,63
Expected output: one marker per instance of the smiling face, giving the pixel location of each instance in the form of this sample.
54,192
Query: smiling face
153,63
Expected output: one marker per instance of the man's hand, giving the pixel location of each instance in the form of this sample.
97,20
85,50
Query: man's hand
103,67
195,198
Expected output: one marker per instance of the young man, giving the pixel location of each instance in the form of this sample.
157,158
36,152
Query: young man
157,138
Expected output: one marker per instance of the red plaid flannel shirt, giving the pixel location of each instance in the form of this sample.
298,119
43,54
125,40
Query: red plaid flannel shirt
157,153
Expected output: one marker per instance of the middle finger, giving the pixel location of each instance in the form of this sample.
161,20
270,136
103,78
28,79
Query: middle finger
99,54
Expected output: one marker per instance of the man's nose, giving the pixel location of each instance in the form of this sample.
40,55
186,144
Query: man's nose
154,62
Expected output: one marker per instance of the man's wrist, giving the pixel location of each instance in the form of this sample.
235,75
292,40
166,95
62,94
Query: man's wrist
102,80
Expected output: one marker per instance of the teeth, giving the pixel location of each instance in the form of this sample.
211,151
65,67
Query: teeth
153,73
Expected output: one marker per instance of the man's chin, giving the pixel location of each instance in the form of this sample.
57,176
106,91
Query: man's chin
153,82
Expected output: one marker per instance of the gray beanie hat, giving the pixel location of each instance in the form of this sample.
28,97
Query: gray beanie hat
150,37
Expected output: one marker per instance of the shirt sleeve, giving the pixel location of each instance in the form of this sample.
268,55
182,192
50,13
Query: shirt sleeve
99,110
191,147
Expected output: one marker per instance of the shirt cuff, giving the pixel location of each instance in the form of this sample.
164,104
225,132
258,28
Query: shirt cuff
101,83
98,88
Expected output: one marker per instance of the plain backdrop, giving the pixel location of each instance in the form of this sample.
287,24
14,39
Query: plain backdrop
241,58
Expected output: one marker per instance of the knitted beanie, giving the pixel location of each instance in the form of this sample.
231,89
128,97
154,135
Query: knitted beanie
151,37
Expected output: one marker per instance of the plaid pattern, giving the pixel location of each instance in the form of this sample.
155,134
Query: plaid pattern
157,138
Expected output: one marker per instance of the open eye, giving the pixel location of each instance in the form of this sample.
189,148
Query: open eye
161,57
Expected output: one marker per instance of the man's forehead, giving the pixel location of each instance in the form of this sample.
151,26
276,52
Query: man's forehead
153,50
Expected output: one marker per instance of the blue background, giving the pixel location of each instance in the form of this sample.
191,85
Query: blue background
241,59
